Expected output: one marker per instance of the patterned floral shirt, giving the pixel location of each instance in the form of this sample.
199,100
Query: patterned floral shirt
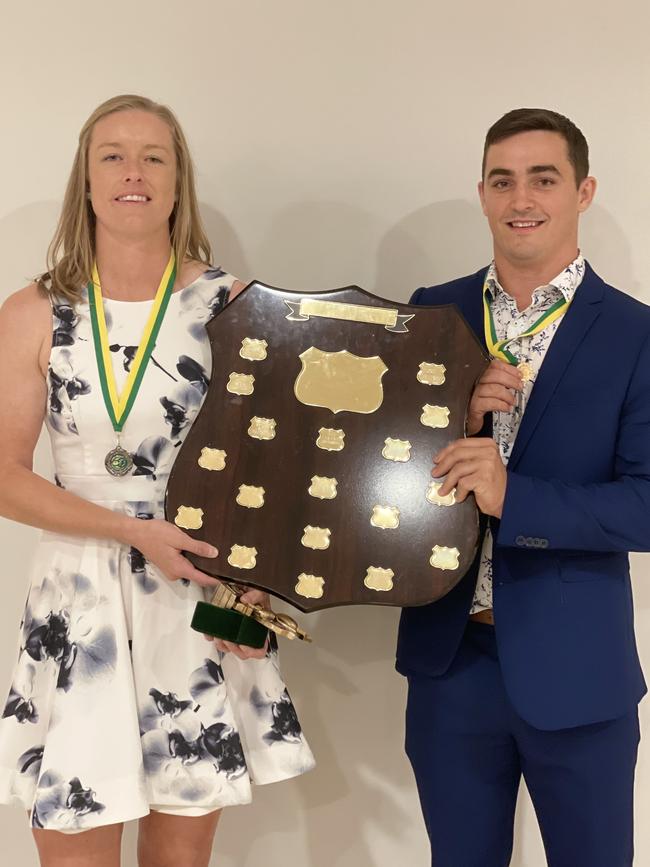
509,322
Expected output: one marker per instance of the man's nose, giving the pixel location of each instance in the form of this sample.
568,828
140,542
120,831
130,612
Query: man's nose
522,199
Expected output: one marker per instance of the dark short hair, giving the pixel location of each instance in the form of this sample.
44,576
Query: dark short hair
530,119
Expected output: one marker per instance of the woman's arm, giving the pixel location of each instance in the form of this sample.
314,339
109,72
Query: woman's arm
25,339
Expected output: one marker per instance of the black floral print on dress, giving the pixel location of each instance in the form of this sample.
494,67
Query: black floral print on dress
64,805
65,323
64,388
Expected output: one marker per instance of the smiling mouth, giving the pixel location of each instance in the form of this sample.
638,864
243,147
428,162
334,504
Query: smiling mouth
524,224
133,197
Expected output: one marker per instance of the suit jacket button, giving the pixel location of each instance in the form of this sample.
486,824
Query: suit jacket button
530,542
520,541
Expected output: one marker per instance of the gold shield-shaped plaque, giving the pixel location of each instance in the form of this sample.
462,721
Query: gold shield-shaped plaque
379,579
431,374
262,428
396,450
323,488
434,497
250,497
241,383
435,416
386,517
309,586
243,557
317,538
330,439
253,349
212,459
340,381
444,558
189,518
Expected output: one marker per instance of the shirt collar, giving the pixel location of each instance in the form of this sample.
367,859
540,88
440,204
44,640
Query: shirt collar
566,282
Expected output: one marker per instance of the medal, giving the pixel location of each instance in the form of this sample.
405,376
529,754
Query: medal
526,371
118,460
500,348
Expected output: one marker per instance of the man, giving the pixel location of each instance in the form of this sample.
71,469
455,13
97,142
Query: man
529,666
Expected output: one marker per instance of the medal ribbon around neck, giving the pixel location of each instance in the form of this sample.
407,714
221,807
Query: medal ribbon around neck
499,348
119,407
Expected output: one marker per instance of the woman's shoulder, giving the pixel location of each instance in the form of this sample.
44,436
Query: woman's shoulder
26,324
26,304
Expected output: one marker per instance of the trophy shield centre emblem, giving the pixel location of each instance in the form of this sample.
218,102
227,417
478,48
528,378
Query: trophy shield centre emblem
309,463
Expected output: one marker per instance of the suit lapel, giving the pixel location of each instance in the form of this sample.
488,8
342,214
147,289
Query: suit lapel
579,318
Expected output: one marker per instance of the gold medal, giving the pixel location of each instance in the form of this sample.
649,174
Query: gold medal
526,371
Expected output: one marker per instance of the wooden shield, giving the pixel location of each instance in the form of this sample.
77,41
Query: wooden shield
309,463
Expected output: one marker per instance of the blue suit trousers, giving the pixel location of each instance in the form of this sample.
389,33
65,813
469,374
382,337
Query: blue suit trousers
469,749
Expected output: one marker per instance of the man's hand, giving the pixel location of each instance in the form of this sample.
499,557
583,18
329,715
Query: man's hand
494,392
473,465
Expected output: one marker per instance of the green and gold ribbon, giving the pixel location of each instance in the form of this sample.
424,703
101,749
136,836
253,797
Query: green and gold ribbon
119,406
499,348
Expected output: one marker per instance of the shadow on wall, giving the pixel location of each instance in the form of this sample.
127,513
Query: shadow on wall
604,244
227,250
25,235
330,244
439,242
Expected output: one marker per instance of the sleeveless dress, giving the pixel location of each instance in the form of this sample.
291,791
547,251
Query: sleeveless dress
117,707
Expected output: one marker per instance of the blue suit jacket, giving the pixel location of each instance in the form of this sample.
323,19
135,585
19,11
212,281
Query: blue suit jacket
577,501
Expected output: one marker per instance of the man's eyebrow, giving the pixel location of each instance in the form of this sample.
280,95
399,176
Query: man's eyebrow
504,172
537,170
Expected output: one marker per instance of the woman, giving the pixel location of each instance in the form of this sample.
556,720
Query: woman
117,709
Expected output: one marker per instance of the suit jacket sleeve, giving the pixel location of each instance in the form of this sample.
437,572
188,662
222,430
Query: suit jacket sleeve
604,516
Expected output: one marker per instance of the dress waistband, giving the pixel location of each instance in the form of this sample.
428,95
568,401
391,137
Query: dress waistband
121,488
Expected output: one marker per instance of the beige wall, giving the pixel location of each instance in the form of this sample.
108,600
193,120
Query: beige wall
336,143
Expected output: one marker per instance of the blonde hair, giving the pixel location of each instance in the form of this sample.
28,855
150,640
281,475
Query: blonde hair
71,253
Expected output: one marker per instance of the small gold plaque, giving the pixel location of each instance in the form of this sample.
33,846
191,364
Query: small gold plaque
189,518
310,586
330,439
240,383
396,450
250,496
262,428
323,488
444,558
340,381
436,499
435,416
212,459
317,538
253,349
386,517
431,374
378,578
242,557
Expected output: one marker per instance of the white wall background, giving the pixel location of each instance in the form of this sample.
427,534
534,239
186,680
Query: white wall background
336,143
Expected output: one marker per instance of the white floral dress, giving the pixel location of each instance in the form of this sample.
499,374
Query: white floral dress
117,706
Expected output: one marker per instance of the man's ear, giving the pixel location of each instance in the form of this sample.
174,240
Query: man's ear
586,193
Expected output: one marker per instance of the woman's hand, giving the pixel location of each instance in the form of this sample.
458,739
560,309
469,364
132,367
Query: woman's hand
162,544
251,597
